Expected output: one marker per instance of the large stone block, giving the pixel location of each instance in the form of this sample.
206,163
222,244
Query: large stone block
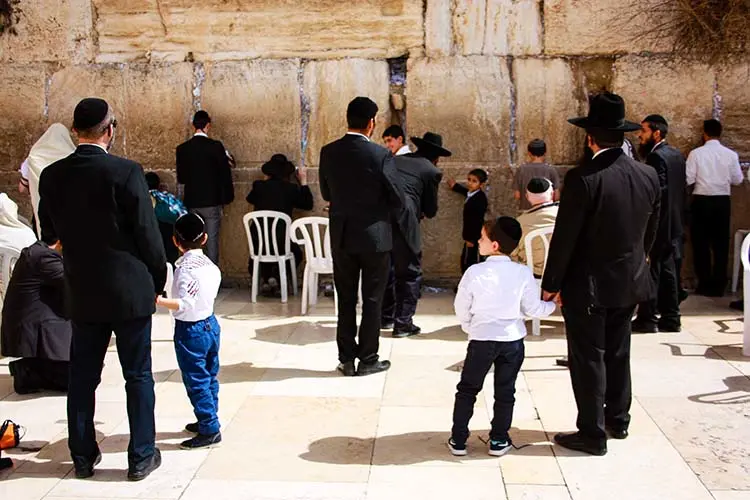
600,27
438,28
50,30
255,108
735,105
647,85
219,30
546,93
158,101
466,100
328,88
22,101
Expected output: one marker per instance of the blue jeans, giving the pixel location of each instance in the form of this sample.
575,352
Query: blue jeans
481,355
197,347
87,351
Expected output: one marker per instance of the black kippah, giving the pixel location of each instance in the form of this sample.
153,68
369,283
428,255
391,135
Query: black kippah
507,233
89,113
538,185
655,119
189,227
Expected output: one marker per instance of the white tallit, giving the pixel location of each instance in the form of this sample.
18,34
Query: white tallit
55,144
13,233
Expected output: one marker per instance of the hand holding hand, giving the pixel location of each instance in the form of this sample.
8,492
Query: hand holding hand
552,297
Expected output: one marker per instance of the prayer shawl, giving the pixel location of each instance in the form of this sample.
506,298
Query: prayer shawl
13,233
55,144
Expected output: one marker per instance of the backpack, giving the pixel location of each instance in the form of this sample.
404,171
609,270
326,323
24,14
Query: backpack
167,207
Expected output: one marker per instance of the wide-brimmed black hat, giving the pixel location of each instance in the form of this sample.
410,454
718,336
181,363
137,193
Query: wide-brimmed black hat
431,141
606,112
278,166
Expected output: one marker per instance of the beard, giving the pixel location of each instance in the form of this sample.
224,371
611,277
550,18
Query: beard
645,148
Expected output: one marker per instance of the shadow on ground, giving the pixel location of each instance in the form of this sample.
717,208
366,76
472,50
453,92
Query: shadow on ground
247,372
736,393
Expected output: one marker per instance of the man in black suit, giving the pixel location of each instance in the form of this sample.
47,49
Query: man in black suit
99,207
419,180
597,269
358,178
203,167
669,165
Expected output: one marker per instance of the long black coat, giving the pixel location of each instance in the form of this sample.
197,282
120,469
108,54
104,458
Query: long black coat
34,323
203,167
606,225
419,180
669,164
99,207
358,177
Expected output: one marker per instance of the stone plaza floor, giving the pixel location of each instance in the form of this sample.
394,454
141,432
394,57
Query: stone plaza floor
294,429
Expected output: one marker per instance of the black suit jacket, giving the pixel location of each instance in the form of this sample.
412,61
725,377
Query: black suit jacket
606,224
203,167
475,209
669,164
34,322
99,207
359,179
280,196
419,181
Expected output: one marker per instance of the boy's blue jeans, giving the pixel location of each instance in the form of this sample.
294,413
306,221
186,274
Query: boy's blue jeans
197,347
507,358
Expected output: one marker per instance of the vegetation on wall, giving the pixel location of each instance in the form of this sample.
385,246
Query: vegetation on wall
9,16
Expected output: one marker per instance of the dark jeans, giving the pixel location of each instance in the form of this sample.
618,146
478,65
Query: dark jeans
469,256
90,342
347,267
667,302
710,237
481,355
197,347
212,217
599,361
36,374
404,283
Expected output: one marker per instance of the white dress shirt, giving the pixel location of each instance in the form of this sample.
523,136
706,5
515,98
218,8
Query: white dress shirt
404,150
713,168
495,296
196,285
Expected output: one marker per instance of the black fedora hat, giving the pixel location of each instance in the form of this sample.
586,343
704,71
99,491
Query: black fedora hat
607,112
431,141
278,166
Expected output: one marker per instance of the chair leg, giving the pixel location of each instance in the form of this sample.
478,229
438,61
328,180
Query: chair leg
314,288
255,279
305,291
293,267
283,282
536,326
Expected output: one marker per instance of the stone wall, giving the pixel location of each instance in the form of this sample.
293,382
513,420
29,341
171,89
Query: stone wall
276,75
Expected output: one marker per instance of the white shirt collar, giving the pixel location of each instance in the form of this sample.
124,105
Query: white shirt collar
714,141
472,193
403,151
601,151
357,133
657,145
189,253
93,144
498,257
202,134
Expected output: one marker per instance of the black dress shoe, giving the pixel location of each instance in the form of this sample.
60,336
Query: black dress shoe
192,427
668,327
86,470
643,327
145,468
562,362
682,295
386,325
400,332
201,441
617,433
347,369
370,368
577,442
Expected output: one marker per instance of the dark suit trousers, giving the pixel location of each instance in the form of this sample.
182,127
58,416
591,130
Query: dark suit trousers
347,267
89,346
667,302
710,236
404,283
469,256
599,360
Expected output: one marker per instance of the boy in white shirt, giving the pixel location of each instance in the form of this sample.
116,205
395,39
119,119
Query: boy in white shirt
196,336
492,301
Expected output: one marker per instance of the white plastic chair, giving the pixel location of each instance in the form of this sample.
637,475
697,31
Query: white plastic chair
739,237
270,250
746,294
544,234
318,257
8,258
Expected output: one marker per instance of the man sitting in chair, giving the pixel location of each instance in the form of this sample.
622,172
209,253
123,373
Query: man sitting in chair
542,214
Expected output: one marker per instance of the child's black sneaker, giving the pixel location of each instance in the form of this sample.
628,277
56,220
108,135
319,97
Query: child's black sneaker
499,448
457,450
201,441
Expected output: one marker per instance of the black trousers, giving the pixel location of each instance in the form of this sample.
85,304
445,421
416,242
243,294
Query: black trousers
469,256
710,237
167,230
404,283
37,374
507,358
347,267
667,302
599,361
89,346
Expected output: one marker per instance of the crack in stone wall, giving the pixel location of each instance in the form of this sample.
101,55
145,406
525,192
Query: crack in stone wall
305,111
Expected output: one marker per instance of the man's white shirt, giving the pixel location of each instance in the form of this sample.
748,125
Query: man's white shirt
713,168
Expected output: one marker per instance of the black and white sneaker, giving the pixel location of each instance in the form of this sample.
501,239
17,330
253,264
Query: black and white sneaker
201,441
457,450
499,448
